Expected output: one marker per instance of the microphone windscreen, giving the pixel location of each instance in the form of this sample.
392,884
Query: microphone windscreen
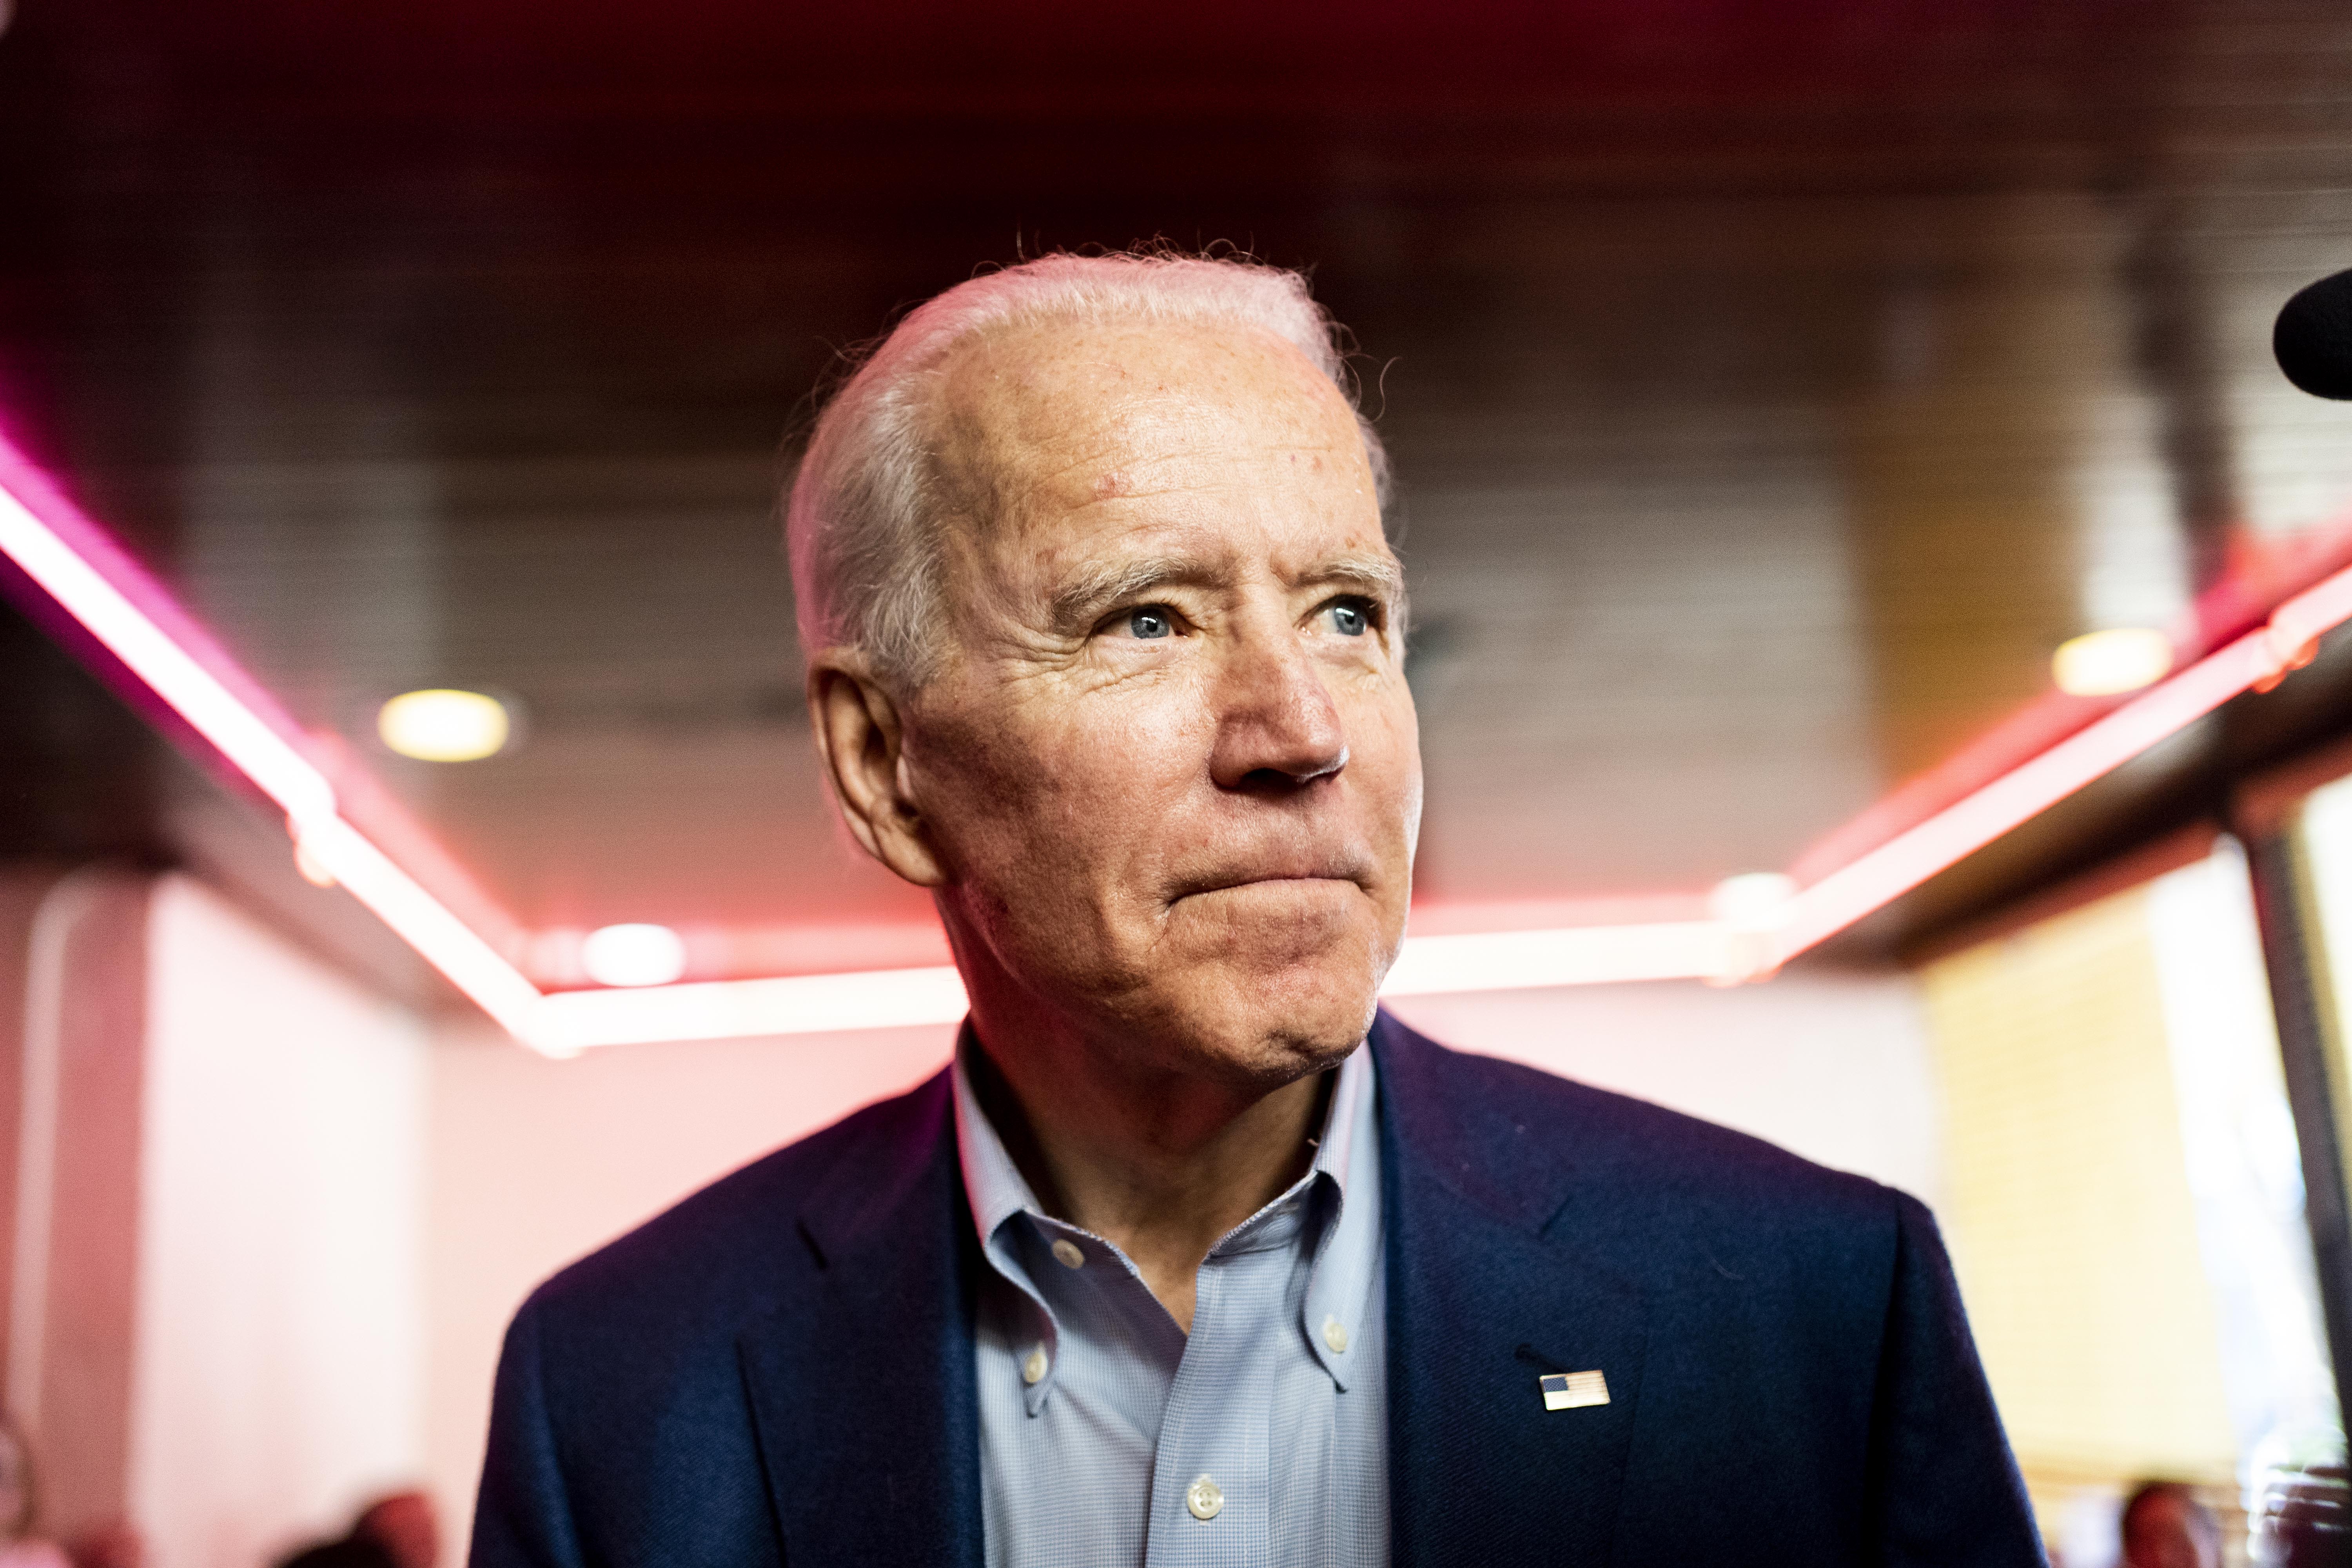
2313,338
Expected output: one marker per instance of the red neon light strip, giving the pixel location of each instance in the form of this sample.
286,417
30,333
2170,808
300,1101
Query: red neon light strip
1894,868
110,611
569,1021
250,743
2261,574
421,921
69,558
1903,862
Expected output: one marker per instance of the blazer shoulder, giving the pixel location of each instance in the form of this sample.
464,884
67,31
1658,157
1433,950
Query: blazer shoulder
1650,1158
738,1241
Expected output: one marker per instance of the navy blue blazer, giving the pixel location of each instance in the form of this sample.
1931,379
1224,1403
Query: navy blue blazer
779,1368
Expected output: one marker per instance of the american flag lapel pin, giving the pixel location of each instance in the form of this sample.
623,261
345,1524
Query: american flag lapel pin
1572,1389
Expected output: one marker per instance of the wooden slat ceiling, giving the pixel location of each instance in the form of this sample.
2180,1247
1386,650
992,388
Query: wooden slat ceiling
1772,386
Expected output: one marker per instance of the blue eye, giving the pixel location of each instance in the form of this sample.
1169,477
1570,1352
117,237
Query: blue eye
1151,621
1350,620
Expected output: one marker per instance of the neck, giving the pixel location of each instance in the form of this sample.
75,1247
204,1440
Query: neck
1156,1160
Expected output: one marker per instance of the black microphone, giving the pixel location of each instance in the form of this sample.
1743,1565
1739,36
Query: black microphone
2313,338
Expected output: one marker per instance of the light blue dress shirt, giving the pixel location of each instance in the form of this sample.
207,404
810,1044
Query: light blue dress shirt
1107,1436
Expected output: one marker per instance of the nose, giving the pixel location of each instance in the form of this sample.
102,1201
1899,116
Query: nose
1276,724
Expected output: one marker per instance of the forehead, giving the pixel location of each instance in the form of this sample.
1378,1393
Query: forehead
1074,412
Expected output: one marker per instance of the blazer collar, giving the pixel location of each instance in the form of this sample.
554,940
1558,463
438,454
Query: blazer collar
861,1384
1480,1148
1491,1284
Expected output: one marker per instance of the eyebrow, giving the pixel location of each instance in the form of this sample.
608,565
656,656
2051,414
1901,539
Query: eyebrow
1094,589
1375,574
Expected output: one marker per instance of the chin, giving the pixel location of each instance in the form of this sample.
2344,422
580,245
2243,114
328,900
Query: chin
1272,1023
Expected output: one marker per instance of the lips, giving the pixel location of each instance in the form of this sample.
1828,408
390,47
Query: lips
1337,869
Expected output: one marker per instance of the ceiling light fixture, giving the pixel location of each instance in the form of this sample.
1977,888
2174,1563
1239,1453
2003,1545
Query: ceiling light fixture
442,725
2105,664
633,955
1757,921
1753,901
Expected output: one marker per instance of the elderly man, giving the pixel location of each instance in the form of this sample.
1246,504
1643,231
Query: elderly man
1191,1256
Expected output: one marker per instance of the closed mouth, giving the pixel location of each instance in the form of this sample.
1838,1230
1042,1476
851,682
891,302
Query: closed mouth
1229,884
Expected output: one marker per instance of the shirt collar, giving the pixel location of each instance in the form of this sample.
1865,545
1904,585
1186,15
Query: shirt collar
1348,1250
992,1183
997,1190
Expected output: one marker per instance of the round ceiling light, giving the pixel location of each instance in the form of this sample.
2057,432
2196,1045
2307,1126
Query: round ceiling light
633,955
444,726
1753,901
2101,663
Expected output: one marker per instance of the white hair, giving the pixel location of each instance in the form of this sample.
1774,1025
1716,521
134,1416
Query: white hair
861,517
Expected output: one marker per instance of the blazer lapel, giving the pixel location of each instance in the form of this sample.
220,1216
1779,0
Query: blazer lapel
862,1385
1488,1291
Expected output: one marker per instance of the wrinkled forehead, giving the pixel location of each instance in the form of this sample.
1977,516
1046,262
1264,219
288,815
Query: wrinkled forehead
1058,415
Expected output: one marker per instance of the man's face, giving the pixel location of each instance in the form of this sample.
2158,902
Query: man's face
1171,768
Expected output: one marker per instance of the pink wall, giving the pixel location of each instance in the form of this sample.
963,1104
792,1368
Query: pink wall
280,1360
212,1177
73,967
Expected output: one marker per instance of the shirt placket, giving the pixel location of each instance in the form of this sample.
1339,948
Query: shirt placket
1034,1330
1211,1486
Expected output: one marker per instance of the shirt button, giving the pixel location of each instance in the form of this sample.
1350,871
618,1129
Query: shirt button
1204,1498
1067,1253
1335,1334
1032,1365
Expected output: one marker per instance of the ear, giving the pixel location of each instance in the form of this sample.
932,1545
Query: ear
859,732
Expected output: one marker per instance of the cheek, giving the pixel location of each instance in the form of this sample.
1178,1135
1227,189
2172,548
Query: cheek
1116,779
1384,749
1064,786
